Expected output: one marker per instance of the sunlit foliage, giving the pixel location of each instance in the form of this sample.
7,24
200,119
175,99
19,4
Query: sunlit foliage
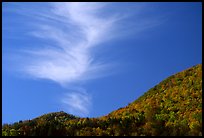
173,107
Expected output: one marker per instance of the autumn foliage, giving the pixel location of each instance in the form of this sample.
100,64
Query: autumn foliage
171,108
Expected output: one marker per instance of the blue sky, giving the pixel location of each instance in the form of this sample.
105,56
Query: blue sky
89,59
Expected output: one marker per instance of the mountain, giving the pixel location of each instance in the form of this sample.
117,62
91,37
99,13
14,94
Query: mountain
173,107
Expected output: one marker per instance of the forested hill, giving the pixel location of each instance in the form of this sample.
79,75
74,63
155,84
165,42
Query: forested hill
173,107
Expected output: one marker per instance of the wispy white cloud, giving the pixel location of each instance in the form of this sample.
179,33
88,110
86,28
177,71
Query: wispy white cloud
77,103
71,31
69,58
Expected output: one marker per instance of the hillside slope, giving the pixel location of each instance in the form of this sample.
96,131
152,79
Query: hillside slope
173,107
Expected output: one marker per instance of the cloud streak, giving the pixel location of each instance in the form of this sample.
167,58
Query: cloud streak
70,32
77,103
69,59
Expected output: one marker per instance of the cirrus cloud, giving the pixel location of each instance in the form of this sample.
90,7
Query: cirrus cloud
70,59
69,32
